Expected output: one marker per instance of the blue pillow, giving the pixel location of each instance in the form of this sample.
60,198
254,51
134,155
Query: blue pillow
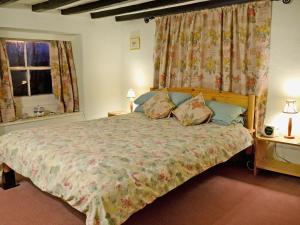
139,108
176,97
225,113
144,97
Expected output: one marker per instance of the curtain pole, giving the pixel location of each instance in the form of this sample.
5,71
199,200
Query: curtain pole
209,5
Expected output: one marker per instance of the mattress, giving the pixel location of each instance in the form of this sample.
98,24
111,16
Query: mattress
112,167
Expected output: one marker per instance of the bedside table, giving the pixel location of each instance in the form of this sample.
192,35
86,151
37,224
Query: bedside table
264,159
116,113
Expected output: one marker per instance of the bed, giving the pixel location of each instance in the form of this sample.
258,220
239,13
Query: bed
112,167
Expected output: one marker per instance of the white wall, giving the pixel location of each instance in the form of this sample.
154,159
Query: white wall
137,67
102,57
284,73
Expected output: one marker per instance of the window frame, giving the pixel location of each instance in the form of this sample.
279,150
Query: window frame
29,68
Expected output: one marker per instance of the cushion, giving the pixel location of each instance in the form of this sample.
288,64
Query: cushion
193,111
159,106
224,112
176,97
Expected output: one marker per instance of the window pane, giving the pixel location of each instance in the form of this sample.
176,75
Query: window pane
37,54
19,80
40,82
15,51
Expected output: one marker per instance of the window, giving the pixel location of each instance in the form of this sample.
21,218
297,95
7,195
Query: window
29,65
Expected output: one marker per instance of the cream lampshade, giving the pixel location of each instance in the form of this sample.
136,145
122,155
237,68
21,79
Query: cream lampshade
131,96
290,108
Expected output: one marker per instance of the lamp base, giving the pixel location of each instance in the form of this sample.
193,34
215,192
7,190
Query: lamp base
131,106
289,137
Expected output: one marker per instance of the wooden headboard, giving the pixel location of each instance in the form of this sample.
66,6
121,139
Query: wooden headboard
246,101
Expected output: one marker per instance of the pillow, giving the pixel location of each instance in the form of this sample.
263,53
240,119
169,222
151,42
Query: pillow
144,97
176,97
139,108
159,106
224,112
239,119
193,111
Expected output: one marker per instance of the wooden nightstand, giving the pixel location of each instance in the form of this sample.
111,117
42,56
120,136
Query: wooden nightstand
116,113
264,155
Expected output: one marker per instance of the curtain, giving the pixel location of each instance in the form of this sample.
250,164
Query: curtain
64,81
7,106
225,49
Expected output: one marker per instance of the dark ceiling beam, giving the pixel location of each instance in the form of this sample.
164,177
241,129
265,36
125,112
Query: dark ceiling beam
137,7
51,4
181,9
91,6
4,2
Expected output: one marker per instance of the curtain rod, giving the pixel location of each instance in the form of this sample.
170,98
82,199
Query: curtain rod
149,15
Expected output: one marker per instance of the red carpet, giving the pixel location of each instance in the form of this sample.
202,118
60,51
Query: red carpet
226,195
27,205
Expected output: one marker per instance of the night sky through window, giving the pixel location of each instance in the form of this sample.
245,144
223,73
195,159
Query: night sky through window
32,71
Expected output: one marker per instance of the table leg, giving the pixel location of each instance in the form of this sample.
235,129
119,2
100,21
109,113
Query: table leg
255,171
8,178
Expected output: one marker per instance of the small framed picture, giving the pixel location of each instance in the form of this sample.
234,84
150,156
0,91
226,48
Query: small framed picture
134,43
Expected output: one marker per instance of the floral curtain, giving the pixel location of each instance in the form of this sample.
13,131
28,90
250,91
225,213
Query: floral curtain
7,106
225,49
64,79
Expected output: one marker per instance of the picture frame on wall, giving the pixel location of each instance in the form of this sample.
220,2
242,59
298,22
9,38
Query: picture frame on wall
134,43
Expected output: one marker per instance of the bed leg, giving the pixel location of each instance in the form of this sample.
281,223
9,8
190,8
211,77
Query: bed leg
8,178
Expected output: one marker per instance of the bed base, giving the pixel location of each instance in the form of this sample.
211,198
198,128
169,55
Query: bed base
8,178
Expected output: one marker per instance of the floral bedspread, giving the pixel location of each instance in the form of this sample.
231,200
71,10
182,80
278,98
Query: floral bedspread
112,167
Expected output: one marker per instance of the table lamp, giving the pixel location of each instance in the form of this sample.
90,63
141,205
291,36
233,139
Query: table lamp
290,108
131,96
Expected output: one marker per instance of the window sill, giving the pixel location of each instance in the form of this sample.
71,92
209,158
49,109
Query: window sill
34,119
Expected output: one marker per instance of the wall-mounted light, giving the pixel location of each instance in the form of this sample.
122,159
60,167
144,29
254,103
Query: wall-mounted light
286,1
147,19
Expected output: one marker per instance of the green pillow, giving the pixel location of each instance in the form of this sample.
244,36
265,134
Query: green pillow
224,113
